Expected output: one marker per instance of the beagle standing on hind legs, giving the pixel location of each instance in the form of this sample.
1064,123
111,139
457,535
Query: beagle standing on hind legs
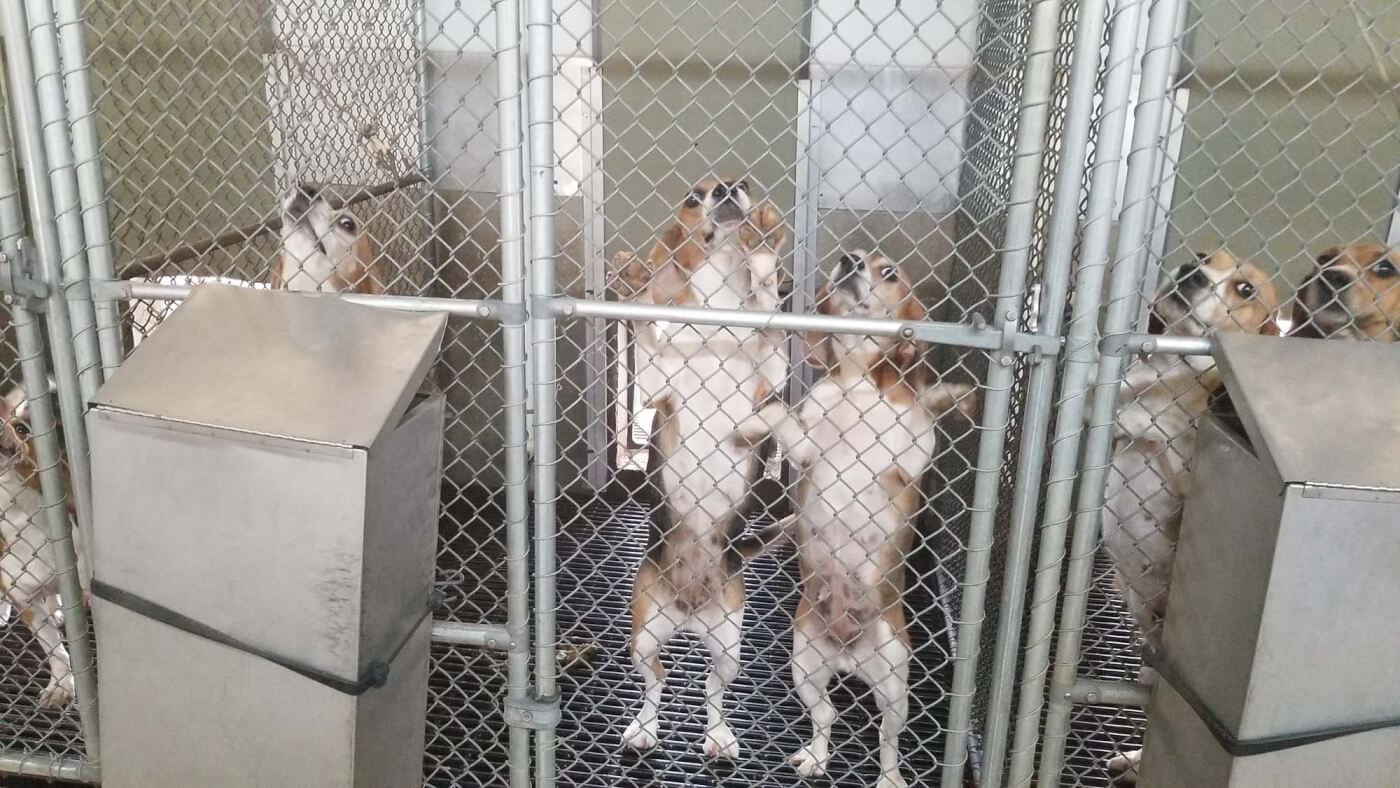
703,381
1164,397
862,440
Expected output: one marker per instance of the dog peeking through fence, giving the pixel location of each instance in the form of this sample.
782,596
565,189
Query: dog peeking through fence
28,566
324,248
1163,398
703,381
861,440
1353,293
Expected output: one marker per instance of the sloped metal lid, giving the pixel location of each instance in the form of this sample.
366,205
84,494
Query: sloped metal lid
305,368
1322,411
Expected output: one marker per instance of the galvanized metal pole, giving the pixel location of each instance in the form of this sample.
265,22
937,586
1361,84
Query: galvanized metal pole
87,163
67,205
1025,181
539,27
30,344
1130,254
1080,351
514,413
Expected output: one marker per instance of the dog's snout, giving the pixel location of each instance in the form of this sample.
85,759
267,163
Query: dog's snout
1334,280
302,197
1190,277
849,263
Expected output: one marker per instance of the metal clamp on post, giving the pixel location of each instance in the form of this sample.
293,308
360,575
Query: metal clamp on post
545,305
506,312
21,282
538,714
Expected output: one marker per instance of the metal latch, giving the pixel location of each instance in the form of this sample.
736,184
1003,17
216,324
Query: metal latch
22,283
528,711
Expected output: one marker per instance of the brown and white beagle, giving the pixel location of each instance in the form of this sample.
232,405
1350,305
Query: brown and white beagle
324,249
862,440
1354,293
28,572
1163,397
703,381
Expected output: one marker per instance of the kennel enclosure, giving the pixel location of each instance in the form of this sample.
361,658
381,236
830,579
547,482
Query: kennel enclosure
1031,163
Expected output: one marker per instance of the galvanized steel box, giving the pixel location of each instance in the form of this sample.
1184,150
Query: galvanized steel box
1282,617
263,467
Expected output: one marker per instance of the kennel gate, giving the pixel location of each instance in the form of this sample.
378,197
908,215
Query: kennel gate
202,120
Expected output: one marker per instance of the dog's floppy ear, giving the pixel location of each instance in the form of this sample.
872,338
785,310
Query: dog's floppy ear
816,346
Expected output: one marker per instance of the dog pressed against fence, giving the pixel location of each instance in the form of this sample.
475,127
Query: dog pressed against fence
874,247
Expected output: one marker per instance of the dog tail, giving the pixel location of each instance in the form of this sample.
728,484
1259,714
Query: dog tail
757,542
943,398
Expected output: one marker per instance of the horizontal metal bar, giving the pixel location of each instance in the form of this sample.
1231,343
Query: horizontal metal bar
240,235
960,334
1109,693
1132,344
492,636
121,289
49,766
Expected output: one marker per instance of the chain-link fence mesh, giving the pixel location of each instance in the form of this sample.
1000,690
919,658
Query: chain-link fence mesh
887,127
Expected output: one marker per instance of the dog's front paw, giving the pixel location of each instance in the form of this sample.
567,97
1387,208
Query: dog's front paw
641,737
809,762
1123,768
58,693
720,742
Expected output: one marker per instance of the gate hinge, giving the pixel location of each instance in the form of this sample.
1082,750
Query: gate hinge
22,284
528,711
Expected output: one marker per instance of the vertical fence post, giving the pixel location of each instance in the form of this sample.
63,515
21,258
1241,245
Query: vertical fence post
87,163
27,125
514,412
67,206
539,25
1130,254
1080,352
1025,182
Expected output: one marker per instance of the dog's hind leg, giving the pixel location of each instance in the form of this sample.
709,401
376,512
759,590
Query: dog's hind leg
721,628
654,621
887,673
811,673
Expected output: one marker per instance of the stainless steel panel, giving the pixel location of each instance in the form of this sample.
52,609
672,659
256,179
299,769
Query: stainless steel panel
274,363
1182,754
1304,406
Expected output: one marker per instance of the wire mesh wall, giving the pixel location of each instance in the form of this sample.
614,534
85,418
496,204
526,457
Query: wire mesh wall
892,162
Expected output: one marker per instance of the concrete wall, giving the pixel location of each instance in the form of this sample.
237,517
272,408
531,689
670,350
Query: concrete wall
1290,140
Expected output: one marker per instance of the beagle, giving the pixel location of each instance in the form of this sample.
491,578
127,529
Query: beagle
1354,293
28,568
861,440
323,248
1163,396
702,381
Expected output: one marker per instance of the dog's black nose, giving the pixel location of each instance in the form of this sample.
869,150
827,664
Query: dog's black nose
1190,276
721,191
1336,281
849,263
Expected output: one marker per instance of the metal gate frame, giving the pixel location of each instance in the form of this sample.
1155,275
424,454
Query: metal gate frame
67,275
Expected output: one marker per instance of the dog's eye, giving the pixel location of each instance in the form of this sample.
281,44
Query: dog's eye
1245,289
347,223
1384,267
888,273
21,429
692,200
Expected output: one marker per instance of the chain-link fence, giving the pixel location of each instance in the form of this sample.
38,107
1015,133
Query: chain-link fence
724,280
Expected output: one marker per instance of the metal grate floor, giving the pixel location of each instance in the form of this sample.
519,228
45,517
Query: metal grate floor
1110,651
598,551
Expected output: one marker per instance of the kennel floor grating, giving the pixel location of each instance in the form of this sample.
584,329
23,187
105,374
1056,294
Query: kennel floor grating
599,548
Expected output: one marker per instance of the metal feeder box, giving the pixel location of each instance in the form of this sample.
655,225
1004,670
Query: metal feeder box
1279,659
266,486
